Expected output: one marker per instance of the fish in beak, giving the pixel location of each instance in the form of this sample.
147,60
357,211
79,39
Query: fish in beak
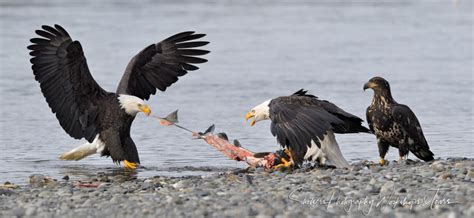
249,115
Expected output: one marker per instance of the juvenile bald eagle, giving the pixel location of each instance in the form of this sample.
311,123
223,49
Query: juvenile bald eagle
394,124
103,118
305,125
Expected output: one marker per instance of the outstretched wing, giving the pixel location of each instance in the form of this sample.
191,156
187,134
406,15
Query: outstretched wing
159,65
296,121
61,69
403,115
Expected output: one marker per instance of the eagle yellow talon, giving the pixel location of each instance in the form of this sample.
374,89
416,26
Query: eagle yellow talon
382,162
287,152
130,165
285,163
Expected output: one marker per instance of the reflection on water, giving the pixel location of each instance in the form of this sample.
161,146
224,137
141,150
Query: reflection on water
85,172
259,50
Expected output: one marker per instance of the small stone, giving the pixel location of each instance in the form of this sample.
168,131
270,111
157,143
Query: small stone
9,185
459,165
45,194
30,211
427,174
202,193
386,210
445,175
39,180
324,177
6,192
180,184
18,212
36,178
146,186
66,177
371,189
66,191
387,187
438,165
119,178
372,181
402,190
470,174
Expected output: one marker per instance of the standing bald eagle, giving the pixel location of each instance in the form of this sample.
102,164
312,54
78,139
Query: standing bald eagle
394,124
305,127
85,110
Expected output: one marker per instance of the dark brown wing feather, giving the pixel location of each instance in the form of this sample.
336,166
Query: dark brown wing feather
159,65
369,121
301,118
352,123
296,121
61,69
410,125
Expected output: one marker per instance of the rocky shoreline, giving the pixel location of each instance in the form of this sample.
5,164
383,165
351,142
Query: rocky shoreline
407,189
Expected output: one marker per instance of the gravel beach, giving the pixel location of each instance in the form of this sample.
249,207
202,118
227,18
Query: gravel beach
407,189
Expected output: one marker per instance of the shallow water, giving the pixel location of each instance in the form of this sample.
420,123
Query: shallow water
260,50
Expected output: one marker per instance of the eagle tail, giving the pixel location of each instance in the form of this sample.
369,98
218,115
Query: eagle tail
84,150
424,154
333,154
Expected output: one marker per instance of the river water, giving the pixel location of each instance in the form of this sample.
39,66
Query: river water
259,50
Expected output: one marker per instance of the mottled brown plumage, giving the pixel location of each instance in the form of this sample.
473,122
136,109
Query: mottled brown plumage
394,124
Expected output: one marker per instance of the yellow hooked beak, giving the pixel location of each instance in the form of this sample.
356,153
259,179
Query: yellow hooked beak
145,109
369,85
250,115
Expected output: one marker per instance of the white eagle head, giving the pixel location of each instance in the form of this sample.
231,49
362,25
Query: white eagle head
259,112
132,105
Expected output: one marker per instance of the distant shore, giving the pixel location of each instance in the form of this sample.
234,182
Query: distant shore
410,188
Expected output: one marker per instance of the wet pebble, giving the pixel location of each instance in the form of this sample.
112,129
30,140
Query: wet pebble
438,165
387,187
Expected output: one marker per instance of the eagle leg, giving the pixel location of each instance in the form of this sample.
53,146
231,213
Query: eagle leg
383,148
403,152
286,162
403,157
130,165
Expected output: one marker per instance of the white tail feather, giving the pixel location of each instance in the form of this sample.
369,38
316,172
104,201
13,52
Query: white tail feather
329,152
333,153
84,150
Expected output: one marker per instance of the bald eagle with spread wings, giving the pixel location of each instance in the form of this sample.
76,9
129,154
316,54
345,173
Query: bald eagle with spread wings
305,126
86,110
394,124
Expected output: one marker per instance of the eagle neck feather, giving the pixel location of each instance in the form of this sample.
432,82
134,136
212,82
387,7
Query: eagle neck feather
383,97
